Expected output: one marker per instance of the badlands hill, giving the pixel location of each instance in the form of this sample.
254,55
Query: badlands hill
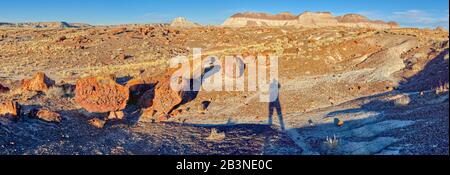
183,22
306,19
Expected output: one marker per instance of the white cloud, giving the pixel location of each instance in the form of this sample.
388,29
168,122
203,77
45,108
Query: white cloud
420,18
412,17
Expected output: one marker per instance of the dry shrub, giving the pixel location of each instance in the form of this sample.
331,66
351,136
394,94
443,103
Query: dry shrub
55,92
442,88
215,136
332,142
402,101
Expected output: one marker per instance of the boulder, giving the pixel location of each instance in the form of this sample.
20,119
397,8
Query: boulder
101,94
9,109
97,123
138,86
146,100
141,91
48,116
158,94
166,98
39,82
117,31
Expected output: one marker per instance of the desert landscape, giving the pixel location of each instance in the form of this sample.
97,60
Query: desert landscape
348,85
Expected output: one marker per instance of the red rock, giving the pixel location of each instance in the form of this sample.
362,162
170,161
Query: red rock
148,113
176,112
162,118
117,31
146,100
136,86
158,94
145,30
48,116
97,123
122,56
142,91
9,109
39,82
340,123
81,39
166,98
3,89
61,39
101,94
140,85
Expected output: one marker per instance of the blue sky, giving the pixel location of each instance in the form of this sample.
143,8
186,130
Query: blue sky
413,13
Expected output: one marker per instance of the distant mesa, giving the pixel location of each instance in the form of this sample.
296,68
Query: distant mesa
183,22
52,25
356,18
281,16
352,18
440,28
306,19
250,19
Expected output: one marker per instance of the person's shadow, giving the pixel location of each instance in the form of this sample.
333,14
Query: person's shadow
274,104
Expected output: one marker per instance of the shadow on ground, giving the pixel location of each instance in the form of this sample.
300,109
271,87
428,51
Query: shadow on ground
416,124
411,120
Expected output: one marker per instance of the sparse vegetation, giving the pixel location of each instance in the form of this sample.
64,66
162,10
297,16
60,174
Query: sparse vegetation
404,100
332,143
216,136
55,92
442,88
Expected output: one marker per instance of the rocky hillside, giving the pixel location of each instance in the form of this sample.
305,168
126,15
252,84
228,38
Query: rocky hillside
306,19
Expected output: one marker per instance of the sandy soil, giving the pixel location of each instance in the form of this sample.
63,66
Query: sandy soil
382,84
